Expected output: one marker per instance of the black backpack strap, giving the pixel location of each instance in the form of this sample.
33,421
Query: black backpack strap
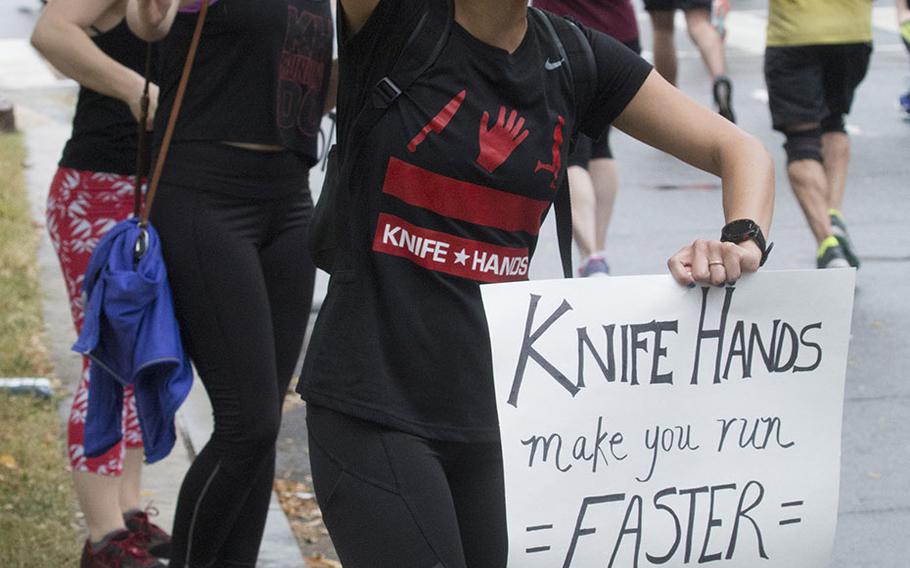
419,53
573,47
563,206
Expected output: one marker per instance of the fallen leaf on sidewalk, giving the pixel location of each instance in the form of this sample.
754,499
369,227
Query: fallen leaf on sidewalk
321,562
299,504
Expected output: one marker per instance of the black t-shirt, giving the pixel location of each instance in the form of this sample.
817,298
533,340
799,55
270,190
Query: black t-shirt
449,192
260,75
104,137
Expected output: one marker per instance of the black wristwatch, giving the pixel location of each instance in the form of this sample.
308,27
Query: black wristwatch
742,230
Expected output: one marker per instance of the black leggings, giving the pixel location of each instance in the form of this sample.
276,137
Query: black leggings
395,500
243,285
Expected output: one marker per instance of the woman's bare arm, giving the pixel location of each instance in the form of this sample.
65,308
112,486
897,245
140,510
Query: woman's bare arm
60,35
663,117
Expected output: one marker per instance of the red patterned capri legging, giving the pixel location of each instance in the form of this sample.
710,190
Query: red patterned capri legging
81,207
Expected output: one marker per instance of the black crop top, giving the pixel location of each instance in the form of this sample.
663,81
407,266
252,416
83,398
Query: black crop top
260,75
104,129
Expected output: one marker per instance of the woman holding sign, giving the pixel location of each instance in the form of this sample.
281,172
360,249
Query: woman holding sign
471,125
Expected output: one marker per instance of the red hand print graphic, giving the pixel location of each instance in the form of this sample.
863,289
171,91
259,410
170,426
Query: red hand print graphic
499,141
557,144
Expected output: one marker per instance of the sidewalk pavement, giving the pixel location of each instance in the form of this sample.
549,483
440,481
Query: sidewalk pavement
43,113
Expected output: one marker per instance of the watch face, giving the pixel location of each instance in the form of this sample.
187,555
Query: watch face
740,230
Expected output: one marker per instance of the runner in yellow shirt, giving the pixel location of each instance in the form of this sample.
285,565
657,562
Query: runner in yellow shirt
818,53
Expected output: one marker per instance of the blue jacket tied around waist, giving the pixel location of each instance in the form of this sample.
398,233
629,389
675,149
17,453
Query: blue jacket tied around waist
131,335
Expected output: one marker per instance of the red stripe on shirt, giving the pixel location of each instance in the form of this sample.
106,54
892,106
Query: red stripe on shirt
441,252
462,200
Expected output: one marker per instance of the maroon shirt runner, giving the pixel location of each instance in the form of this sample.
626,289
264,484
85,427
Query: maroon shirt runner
615,18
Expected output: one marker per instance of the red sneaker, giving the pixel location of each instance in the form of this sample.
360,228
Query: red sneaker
147,534
121,551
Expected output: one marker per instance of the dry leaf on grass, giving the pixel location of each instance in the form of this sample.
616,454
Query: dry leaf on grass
8,461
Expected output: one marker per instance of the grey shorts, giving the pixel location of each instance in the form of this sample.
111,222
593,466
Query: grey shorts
811,83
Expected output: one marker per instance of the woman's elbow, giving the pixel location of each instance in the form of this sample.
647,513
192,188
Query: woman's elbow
740,148
40,37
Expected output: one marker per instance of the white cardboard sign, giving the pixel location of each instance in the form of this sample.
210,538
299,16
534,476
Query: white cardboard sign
646,424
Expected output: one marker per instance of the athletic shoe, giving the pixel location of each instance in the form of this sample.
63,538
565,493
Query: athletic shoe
831,255
147,534
723,98
595,265
119,551
839,228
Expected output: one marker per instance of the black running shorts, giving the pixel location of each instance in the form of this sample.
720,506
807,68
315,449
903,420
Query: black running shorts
586,149
807,84
685,5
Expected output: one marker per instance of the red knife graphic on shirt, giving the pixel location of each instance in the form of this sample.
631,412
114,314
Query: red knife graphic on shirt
439,122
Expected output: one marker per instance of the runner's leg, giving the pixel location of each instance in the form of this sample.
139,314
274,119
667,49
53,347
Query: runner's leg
810,185
93,200
384,494
845,67
836,152
584,205
478,489
602,168
664,48
796,98
708,40
289,275
211,245
130,496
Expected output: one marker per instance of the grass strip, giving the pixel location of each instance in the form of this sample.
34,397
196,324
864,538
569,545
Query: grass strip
37,515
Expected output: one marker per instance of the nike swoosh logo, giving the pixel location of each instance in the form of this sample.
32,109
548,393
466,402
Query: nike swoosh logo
550,65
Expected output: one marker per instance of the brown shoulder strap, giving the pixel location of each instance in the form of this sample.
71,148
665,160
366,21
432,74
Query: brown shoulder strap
175,110
142,136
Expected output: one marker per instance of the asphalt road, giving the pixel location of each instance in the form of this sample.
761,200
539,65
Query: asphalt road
651,222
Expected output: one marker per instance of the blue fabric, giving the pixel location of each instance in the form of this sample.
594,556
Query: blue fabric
131,335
